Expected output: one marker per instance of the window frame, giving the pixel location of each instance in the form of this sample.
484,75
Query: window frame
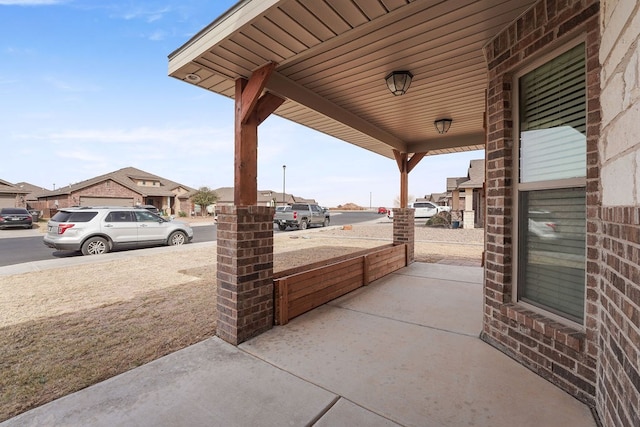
518,187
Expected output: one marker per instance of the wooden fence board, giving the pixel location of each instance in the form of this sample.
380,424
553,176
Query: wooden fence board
321,282
300,289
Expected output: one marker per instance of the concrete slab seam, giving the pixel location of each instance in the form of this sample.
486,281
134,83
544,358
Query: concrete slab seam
433,328
325,410
421,276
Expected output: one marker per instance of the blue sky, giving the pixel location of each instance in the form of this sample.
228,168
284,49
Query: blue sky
84,91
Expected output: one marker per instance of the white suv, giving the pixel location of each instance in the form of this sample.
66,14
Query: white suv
98,230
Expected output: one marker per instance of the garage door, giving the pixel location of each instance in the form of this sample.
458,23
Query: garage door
106,201
7,201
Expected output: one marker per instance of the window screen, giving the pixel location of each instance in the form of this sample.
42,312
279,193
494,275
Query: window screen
551,219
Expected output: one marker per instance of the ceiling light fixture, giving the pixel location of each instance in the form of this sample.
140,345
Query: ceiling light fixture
398,82
443,125
193,78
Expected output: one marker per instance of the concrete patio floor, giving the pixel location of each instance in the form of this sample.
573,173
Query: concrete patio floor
402,351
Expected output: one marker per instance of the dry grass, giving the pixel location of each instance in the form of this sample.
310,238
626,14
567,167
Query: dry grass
50,357
65,329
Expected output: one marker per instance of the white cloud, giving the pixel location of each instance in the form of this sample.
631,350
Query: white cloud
192,137
157,35
148,15
66,86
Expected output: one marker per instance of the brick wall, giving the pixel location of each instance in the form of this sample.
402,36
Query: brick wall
561,354
184,205
244,272
404,230
618,373
107,189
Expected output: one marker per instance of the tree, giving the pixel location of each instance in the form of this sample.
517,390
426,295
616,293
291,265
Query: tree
203,198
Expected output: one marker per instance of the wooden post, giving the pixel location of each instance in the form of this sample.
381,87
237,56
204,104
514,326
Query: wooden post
406,165
250,110
365,270
282,298
245,272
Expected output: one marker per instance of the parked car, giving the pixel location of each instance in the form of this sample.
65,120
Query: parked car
428,209
15,217
383,210
97,231
301,216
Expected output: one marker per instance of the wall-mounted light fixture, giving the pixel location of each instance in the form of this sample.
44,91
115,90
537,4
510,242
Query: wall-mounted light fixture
443,125
193,78
398,82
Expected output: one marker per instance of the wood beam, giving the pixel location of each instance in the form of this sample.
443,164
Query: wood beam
415,159
251,93
267,104
289,89
475,140
245,182
401,159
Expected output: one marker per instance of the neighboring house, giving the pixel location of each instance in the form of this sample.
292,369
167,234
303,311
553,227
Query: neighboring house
34,192
467,195
265,198
12,196
124,187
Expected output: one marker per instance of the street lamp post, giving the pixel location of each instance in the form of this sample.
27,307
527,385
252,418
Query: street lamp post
284,169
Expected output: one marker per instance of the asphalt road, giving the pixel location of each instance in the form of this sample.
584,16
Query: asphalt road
17,250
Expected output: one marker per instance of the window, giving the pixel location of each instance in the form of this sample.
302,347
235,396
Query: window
551,185
119,216
67,216
146,216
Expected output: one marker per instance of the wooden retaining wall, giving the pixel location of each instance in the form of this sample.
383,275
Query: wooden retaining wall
301,289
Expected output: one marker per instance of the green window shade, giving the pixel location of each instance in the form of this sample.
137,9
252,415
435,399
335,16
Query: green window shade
552,250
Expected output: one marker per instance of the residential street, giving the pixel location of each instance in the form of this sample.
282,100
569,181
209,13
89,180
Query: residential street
19,246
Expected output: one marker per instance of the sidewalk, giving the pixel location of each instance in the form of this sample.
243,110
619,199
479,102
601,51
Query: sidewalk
401,351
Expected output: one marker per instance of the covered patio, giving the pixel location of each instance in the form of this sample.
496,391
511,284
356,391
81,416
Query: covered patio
380,356
404,79
390,76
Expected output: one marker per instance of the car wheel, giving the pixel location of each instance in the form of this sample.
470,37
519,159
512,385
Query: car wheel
282,227
303,225
177,238
95,246
326,222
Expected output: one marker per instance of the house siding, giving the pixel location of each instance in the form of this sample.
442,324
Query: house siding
103,189
564,355
618,246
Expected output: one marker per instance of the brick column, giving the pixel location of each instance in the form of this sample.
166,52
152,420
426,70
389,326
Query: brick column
244,272
404,229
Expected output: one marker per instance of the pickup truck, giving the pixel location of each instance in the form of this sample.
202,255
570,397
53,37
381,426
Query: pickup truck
301,216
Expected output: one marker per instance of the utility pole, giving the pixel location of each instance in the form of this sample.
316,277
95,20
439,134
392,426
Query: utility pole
284,170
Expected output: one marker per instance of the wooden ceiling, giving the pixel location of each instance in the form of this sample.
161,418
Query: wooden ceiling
332,57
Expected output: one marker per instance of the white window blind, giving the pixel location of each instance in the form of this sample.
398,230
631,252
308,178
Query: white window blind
552,219
552,119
